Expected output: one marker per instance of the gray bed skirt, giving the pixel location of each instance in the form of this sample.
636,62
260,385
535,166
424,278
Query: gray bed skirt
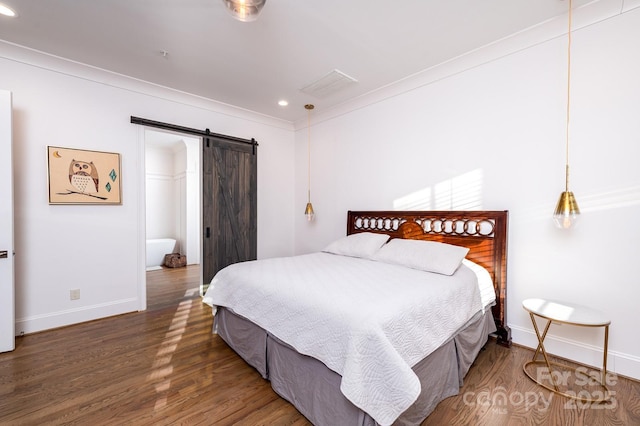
314,389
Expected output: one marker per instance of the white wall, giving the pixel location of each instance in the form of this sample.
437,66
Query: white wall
500,113
162,194
187,161
99,249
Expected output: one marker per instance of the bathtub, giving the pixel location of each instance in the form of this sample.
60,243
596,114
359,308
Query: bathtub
156,249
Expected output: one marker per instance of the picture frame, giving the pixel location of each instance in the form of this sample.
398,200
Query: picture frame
79,176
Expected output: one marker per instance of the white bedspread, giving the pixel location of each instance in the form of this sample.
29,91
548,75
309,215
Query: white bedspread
368,321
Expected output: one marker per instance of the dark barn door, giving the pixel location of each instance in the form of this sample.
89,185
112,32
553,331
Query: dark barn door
229,204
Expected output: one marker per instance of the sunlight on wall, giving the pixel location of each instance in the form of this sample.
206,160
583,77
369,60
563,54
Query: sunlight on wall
610,200
462,192
419,200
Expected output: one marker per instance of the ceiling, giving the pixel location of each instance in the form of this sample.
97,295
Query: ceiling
195,46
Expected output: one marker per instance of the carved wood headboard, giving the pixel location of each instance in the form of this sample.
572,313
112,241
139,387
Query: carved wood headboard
483,232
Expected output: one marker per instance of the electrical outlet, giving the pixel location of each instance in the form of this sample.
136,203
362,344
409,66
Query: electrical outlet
74,294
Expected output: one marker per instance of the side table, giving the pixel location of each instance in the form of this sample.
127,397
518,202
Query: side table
565,313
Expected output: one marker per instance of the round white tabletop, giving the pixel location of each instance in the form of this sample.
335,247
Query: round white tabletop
568,313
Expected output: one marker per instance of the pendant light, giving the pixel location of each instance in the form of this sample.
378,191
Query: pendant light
244,10
567,211
308,210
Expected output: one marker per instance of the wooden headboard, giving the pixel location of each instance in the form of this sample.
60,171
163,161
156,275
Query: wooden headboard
483,232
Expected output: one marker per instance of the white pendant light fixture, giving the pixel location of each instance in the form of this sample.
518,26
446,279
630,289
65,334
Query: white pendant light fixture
308,210
567,211
244,10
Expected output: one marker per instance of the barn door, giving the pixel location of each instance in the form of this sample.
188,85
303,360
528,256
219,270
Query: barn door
229,204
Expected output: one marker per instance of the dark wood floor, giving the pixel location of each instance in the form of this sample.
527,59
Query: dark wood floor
163,366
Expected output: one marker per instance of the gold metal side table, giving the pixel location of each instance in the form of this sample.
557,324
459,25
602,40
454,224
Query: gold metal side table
565,313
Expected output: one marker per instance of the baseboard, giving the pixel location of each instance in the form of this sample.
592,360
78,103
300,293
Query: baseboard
57,319
617,362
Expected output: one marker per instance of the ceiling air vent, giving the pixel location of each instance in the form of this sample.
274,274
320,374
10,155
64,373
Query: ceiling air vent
329,84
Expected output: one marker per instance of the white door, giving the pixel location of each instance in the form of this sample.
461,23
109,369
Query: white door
7,290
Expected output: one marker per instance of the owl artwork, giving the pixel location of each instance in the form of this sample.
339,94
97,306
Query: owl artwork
83,176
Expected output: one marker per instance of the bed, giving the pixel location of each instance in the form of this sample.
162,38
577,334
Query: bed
367,331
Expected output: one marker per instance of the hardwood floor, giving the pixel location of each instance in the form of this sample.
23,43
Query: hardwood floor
163,366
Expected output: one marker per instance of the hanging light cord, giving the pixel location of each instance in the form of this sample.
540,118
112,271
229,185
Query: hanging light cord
309,155
568,97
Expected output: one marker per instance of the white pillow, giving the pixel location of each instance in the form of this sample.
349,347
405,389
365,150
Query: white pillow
362,244
485,283
428,256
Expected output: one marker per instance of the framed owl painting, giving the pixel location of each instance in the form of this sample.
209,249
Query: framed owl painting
79,176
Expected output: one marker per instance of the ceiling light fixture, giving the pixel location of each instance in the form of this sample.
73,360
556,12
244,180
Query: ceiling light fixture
283,102
308,210
244,10
6,11
567,211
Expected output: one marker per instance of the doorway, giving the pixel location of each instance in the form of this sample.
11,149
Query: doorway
7,266
227,167
172,201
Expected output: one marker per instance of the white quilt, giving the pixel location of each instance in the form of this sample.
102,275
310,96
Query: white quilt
368,321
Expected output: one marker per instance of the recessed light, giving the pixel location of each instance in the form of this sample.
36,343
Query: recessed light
283,102
5,10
